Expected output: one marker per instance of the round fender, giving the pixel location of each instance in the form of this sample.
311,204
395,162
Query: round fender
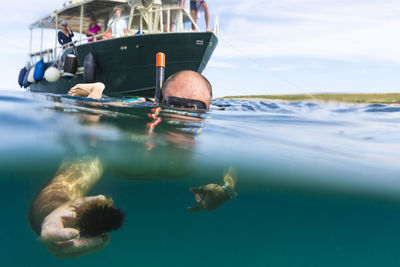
52,74
39,70
26,83
21,76
30,75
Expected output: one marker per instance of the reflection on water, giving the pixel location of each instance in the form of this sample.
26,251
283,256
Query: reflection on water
317,184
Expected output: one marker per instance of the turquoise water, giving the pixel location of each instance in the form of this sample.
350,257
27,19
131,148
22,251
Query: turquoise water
318,184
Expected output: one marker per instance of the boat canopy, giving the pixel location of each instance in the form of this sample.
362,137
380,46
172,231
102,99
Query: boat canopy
72,13
142,16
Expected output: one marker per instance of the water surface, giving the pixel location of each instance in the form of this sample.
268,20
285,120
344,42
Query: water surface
318,184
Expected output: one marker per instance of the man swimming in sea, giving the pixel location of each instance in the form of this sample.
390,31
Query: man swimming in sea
184,89
53,213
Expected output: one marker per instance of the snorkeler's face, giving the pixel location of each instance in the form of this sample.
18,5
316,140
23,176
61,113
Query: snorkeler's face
187,90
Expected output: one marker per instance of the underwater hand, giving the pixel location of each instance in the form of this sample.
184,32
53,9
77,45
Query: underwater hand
62,239
208,197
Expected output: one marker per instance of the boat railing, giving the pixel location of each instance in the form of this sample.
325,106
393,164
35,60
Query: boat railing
47,53
140,21
152,20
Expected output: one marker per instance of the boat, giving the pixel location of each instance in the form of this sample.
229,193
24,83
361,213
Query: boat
126,65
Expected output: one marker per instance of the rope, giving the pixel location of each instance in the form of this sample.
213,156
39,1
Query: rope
263,67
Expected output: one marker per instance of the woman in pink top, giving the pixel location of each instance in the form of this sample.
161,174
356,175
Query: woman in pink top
94,29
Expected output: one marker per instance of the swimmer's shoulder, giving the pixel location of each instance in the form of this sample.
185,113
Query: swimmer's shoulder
135,100
139,101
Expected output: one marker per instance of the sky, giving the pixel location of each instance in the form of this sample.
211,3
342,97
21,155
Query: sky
266,46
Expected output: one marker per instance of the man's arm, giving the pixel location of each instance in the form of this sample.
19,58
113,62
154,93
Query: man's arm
53,214
73,180
95,91
60,40
125,29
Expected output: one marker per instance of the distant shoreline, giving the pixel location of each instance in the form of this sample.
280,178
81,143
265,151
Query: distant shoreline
384,98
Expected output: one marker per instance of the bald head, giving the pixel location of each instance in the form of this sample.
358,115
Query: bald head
188,84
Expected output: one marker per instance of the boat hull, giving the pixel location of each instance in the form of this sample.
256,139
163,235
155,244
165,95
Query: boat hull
127,65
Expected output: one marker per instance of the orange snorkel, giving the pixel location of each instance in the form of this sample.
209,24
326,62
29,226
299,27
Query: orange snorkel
160,70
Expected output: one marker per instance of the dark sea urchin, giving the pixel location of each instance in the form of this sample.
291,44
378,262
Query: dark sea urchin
99,217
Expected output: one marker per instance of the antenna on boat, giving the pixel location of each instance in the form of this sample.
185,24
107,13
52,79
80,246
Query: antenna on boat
160,70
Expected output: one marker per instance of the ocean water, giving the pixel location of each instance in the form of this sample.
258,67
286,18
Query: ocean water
317,184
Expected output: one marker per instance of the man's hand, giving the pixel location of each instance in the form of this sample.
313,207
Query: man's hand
62,239
208,197
89,90
211,196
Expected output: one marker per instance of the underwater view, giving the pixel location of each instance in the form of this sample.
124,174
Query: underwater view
314,184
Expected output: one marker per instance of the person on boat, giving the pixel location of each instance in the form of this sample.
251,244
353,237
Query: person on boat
66,34
94,29
195,6
53,213
174,13
117,25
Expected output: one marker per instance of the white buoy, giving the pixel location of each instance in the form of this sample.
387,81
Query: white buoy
52,74
30,75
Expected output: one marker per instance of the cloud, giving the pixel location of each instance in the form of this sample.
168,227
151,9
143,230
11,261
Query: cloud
335,30
281,68
23,12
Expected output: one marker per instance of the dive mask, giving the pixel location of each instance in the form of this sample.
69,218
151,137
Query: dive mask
178,102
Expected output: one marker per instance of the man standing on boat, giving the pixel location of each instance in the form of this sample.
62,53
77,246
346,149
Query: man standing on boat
117,25
195,5
172,5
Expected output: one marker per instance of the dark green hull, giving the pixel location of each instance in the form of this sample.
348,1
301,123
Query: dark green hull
127,65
